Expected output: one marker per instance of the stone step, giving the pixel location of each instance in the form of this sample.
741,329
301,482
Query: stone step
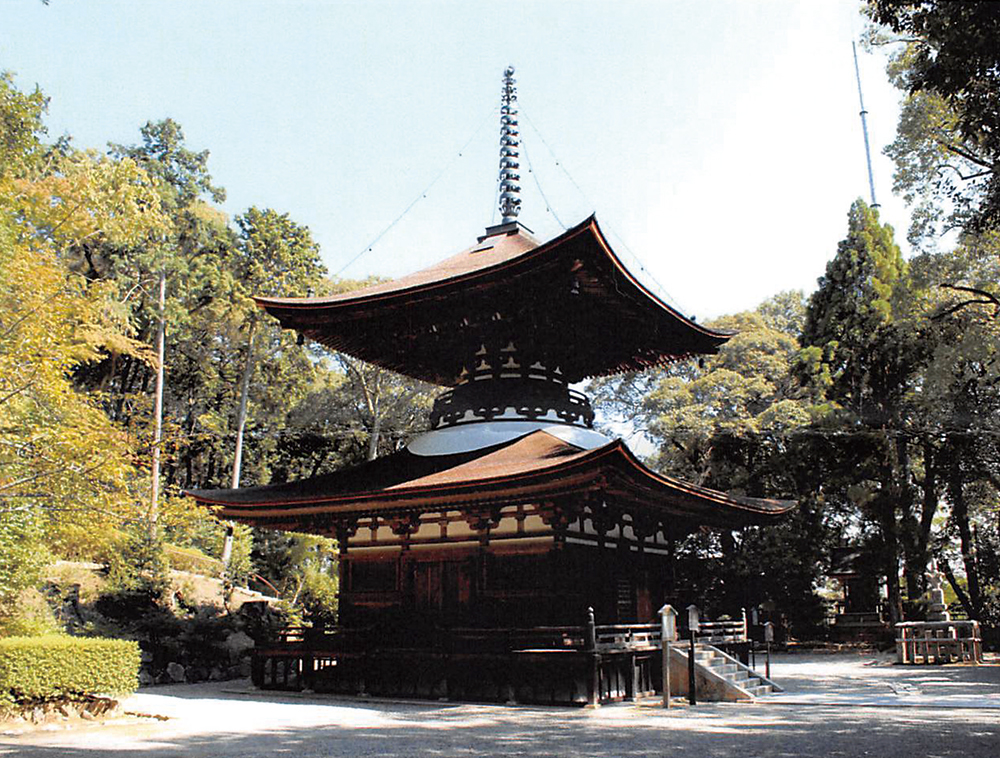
724,669
735,674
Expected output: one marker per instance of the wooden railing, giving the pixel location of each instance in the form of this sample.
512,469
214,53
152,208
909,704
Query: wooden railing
606,637
582,664
716,632
627,636
938,641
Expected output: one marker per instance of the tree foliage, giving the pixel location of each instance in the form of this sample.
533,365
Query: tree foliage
731,422
948,140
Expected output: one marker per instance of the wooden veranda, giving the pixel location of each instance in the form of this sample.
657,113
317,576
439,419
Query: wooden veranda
581,665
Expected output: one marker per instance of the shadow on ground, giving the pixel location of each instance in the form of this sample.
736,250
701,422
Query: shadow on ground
213,720
714,730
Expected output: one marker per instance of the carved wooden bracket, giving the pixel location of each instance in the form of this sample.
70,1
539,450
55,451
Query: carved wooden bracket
644,527
345,529
558,515
603,516
404,524
483,520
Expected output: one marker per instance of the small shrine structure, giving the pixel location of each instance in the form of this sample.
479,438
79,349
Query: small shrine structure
485,559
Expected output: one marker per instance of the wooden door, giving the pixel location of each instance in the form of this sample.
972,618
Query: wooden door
427,587
443,588
459,579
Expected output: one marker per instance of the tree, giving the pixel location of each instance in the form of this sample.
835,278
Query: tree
855,353
21,126
386,405
732,422
948,144
301,568
63,463
960,403
274,257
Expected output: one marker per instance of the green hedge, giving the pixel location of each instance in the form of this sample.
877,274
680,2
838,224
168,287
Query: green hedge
57,666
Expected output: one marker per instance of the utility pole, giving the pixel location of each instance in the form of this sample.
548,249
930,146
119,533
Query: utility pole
864,126
154,495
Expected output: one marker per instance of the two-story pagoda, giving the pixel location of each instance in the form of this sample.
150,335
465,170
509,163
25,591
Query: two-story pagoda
512,511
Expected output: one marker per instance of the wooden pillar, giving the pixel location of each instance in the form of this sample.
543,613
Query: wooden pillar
344,530
557,515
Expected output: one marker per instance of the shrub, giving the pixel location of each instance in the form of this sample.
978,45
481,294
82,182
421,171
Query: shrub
22,558
318,596
139,565
192,560
55,666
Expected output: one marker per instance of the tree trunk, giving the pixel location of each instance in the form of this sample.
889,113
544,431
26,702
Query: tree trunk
960,516
929,507
960,593
241,422
376,428
154,495
887,504
891,567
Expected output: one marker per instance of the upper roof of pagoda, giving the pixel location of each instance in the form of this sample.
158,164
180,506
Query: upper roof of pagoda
569,303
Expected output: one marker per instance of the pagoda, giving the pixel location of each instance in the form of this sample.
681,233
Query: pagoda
512,511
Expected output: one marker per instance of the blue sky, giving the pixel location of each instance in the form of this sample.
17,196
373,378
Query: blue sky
718,141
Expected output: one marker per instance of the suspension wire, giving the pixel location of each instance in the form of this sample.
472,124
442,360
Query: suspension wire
610,228
368,248
346,431
496,201
534,174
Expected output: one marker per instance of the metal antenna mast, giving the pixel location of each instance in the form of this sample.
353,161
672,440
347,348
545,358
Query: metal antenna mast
510,201
864,126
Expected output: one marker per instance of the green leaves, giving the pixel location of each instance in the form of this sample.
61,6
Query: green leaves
947,149
21,127
848,318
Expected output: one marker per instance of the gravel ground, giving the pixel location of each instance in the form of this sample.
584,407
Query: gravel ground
834,705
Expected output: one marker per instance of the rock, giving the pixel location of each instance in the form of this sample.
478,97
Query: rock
176,672
86,715
146,656
145,678
243,670
37,716
238,644
216,675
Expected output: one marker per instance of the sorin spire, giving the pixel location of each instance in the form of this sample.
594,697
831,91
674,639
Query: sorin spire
510,201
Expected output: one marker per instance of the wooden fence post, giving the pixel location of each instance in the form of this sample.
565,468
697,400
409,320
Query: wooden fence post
594,664
668,633
693,628
768,639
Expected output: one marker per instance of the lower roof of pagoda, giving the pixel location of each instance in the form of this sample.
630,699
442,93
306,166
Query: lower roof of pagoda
569,303
535,467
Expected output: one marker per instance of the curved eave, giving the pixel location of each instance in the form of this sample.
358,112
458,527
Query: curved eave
612,469
360,299
335,321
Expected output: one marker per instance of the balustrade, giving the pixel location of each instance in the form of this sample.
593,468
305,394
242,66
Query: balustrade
582,664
